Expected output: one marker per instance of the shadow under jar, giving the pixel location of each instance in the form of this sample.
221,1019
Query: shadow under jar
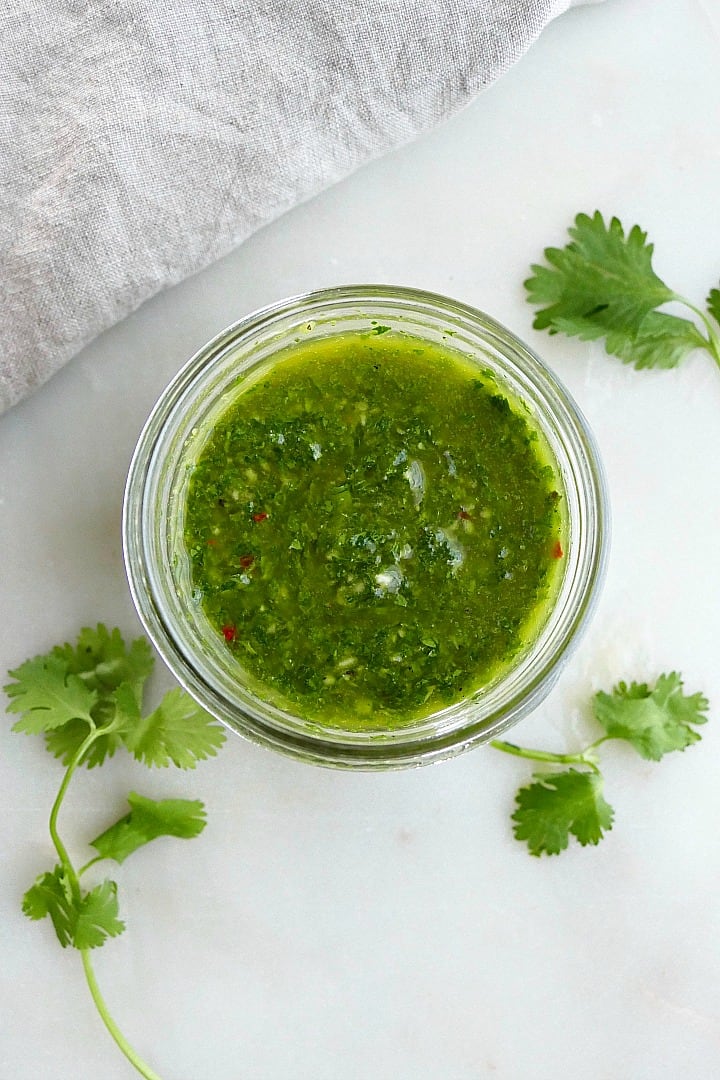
366,527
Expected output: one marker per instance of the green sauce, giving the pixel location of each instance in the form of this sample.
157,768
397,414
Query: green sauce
374,529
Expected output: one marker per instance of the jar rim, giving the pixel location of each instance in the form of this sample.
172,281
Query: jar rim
160,447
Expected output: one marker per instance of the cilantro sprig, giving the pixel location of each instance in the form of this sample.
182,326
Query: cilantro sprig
87,701
603,285
557,805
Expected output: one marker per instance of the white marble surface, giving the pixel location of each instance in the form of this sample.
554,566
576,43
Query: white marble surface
388,927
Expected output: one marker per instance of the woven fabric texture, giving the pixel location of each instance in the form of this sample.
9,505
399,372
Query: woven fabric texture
140,139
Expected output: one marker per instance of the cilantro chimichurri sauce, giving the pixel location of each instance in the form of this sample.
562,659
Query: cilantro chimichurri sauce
373,529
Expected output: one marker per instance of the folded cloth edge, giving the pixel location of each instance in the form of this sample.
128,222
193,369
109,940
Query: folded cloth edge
122,182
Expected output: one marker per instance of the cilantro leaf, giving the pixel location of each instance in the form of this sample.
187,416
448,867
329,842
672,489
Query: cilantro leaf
602,279
602,285
48,696
661,341
97,680
713,304
102,659
555,806
147,820
103,662
64,742
51,895
96,917
654,722
85,921
178,732
87,701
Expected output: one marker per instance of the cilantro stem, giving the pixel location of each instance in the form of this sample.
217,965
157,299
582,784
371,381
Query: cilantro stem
713,345
73,877
87,700
583,757
65,859
110,1024
81,871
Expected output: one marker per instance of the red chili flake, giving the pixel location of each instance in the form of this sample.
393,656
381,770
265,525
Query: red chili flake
259,517
211,542
557,551
229,633
246,561
463,514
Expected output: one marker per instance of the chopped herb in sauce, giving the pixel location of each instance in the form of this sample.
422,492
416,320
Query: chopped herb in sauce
374,529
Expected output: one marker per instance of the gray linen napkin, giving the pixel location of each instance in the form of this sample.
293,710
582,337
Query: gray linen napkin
141,139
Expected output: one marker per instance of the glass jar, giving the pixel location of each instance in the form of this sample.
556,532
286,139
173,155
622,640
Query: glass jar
158,567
